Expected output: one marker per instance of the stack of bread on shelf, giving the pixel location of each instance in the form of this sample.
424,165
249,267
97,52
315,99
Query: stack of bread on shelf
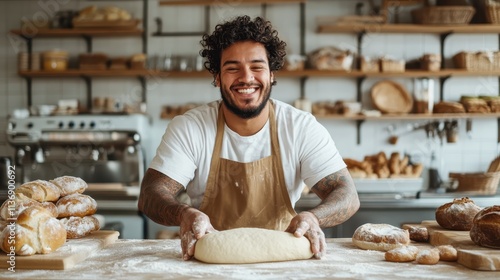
42,215
379,166
402,244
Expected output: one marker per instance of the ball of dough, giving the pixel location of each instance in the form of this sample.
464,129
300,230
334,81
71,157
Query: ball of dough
402,254
447,253
485,229
77,227
428,256
251,245
457,215
380,237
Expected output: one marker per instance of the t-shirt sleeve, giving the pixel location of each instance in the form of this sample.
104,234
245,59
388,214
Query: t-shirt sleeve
318,153
175,155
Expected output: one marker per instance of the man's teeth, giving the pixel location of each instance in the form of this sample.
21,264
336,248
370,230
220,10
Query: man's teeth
248,90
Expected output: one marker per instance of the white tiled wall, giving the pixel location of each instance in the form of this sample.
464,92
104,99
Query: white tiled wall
469,154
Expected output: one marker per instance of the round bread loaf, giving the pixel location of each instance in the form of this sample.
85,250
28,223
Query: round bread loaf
76,205
428,256
77,227
37,232
380,237
70,185
402,254
457,215
40,190
485,229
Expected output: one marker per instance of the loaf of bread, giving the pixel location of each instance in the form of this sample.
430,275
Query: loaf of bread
417,233
70,185
402,254
485,229
40,190
457,215
77,227
380,237
77,204
13,207
36,232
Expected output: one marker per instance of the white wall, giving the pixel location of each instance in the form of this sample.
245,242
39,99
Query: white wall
468,155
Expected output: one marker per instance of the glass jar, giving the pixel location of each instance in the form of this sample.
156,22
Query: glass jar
55,60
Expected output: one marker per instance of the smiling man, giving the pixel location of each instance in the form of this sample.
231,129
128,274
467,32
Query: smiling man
243,160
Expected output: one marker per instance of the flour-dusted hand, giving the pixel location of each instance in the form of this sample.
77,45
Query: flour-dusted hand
306,224
194,225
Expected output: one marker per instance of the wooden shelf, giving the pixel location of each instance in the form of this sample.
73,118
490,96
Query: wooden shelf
412,116
86,73
408,28
79,32
213,3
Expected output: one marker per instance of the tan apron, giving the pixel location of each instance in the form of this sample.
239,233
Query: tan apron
249,194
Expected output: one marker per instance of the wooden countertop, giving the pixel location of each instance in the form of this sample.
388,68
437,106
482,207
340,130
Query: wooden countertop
161,259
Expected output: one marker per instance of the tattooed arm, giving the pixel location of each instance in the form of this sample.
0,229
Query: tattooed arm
157,200
339,201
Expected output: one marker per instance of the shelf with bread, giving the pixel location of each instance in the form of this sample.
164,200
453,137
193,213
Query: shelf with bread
80,32
408,28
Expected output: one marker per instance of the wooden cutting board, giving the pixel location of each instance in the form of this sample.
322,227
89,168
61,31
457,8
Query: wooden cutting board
469,254
72,252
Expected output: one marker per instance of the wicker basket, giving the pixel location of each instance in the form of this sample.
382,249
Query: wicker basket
477,61
492,11
484,183
443,15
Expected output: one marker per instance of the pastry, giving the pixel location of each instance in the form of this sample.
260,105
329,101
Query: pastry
37,232
457,215
428,256
76,205
70,185
401,254
77,227
40,190
447,253
380,237
485,229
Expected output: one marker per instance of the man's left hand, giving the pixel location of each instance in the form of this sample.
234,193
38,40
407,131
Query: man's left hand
306,224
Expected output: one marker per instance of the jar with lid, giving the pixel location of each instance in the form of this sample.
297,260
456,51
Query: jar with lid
55,60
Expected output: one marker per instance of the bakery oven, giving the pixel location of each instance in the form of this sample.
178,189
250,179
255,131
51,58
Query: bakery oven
104,150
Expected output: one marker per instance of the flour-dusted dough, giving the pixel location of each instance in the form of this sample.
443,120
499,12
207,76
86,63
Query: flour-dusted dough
251,245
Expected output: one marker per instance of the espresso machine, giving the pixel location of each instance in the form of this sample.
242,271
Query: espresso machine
103,150
96,148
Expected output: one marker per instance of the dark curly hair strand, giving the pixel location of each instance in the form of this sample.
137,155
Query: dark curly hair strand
242,28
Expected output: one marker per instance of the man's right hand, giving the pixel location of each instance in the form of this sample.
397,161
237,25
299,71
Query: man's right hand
194,224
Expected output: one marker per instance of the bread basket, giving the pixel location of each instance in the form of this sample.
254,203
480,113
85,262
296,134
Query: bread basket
483,183
391,98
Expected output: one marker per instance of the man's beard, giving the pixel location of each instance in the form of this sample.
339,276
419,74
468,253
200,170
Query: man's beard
249,112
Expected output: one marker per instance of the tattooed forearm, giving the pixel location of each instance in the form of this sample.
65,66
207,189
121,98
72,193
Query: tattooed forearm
157,199
339,199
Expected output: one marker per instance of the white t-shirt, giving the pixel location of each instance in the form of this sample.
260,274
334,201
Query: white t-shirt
307,150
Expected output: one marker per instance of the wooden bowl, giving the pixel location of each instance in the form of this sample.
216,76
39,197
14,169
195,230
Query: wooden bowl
391,98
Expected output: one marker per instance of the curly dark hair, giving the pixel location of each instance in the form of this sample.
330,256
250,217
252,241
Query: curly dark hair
242,28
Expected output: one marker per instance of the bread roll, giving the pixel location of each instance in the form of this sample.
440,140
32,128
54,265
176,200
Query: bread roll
77,227
428,256
417,233
36,232
76,205
380,237
485,229
70,185
40,190
457,215
13,207
402,254
447,253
